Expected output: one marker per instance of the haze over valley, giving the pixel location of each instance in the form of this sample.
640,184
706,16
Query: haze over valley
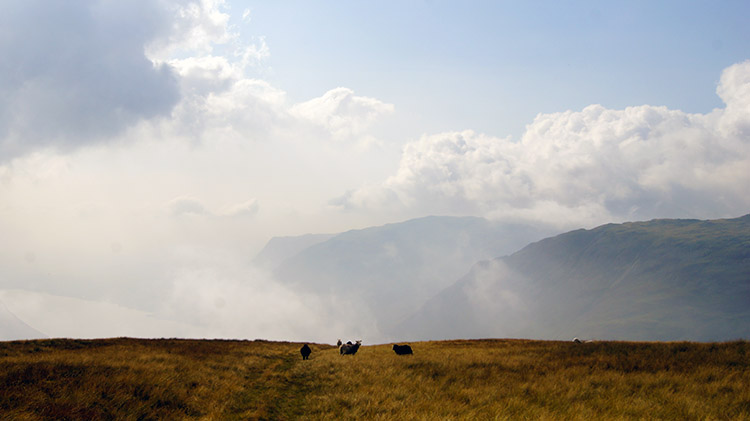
308,172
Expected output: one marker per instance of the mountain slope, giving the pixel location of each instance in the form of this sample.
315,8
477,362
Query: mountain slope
657,280
393,269
12,328
279,249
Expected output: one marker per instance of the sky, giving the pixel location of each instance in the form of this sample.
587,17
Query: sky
149,149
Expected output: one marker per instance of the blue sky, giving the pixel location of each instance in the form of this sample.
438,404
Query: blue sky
149,149
492,66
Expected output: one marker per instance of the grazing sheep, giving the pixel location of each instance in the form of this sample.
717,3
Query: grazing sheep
576,340
305,351
349,348
402,349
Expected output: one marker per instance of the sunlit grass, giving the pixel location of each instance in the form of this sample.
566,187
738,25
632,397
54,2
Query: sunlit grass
143,379
534,380
483,379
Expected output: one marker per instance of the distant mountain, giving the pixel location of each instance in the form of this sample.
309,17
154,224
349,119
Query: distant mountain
657,280
12,328
279,249
393,269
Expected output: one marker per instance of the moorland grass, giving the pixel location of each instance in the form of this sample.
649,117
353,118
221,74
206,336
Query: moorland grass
515,379
477,379
144,379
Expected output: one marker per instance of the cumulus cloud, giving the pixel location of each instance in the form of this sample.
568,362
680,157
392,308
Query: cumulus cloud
74,73
584,167
341,112
195,27
80,73
734,90
248,208
220,102
88,72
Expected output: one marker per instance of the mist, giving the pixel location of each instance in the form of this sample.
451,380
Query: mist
149,152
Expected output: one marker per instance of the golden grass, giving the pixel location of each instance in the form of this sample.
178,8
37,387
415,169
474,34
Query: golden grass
482,379
143,379
536,380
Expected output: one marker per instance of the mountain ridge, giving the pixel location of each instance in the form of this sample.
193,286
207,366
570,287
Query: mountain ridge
13,328
665,279
390,270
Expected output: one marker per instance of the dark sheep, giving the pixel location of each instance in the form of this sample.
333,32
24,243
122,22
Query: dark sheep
402,349
305,351
349,348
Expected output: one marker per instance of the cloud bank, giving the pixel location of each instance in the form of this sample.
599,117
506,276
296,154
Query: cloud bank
583,167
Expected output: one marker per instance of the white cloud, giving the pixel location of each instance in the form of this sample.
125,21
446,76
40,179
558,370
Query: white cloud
253,54
248,304
734,90
205,74
86,72
187,206
248,208
583,167
195,27
341,112
72,78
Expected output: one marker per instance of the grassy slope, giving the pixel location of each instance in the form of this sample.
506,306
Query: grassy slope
655,280
482,379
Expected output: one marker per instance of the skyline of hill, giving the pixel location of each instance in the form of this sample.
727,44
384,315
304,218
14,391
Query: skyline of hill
279,249
392,269
13,328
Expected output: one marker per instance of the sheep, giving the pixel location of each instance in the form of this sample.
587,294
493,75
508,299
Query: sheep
305,351
402,349
338,344
349,348
576,340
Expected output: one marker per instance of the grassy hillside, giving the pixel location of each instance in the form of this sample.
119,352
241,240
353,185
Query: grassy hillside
481,379
656,280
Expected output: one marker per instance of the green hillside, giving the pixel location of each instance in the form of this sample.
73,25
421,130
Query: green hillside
135,379
656,280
